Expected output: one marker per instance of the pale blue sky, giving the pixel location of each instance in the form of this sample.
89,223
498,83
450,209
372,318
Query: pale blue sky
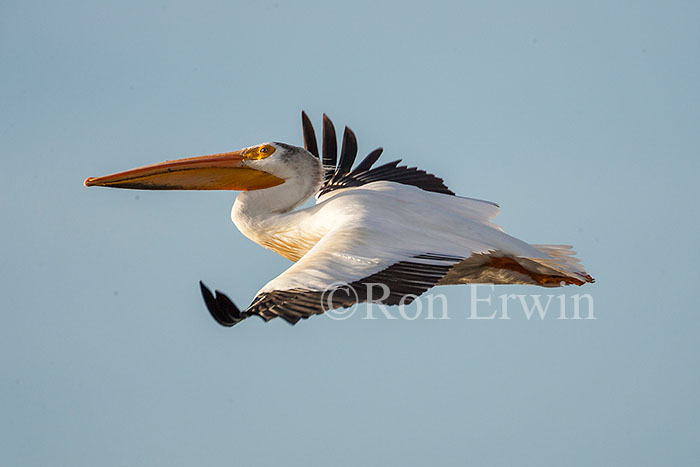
581,119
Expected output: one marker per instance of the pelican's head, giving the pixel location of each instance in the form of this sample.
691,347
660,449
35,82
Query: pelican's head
254,168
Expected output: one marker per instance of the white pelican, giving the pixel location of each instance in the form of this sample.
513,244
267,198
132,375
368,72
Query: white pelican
393,225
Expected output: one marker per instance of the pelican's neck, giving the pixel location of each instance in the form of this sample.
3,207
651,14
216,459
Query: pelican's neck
265,215
271,202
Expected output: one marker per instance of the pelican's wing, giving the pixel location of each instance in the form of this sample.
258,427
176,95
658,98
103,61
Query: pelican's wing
339,173
339,271
391,243
390,247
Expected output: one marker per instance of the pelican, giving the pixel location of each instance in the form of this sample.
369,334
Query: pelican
392,225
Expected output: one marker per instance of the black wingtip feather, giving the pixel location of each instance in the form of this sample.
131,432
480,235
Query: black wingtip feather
330,143
348,152
338,175
222,309
369,160
309,135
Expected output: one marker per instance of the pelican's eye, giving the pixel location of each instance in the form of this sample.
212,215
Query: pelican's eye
259,152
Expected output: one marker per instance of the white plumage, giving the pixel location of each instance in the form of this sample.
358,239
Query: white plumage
361,231
393,225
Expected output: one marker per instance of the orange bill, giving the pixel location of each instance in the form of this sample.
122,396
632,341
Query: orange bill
224,171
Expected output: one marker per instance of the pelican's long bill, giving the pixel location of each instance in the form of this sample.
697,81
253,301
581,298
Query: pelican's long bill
225,171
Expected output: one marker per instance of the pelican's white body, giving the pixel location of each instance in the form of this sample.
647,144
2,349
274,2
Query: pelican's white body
353,233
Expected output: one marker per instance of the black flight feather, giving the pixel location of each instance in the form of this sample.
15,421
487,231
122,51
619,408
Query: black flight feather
222,309
348,152
309,134
340,174
330,144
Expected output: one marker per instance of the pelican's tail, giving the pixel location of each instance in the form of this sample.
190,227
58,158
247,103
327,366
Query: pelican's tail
549,266
562,258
